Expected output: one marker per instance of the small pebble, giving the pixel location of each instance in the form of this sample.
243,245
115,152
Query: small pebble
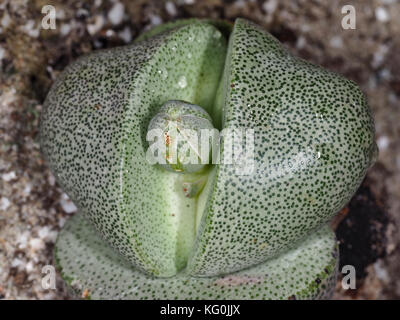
82,13
381,14
116,14
270,6
301,42
336,42
383,142
171,9
30,30
155,20
125,35
27,190
29,267
52,180
16,263
4,203
67,205
110,33
5,22
9,176
96,26
60,14
380,271
65,29
379,55
22,239
2,53
36,244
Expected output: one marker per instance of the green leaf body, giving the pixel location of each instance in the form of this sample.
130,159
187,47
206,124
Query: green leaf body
92,269
93,134
313,143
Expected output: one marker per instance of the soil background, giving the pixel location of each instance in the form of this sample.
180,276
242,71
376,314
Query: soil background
32,206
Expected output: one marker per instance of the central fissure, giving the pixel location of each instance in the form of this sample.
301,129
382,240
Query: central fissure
182,140
181,136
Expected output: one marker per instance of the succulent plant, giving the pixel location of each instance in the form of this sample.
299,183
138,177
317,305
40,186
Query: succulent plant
252,228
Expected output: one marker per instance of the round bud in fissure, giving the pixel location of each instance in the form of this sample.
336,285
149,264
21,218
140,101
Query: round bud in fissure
182,133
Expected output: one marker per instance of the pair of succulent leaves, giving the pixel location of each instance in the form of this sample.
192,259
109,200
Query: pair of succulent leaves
313,142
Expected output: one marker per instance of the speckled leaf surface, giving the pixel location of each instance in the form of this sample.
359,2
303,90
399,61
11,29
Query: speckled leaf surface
93,270
314,141
93,131
222,25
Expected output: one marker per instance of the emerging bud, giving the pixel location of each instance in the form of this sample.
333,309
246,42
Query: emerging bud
181,126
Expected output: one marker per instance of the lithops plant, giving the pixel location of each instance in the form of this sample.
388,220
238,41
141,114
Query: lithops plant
220,230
